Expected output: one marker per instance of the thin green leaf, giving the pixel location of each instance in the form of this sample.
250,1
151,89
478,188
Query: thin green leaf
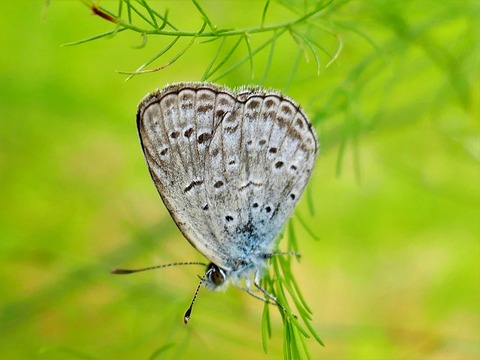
293,344
155,57
306,227
246,58
269,59
165,21
204,15
120,8
247,40
292,239
301,304
225,59
299,41
215,57
266,327
306,350
95,37
150,12
312,49
294,69
360,33
282,299
337,53
175,58
129,10
143,17
158,354
143,44
339,49
312,331
287,339
264,13
300,296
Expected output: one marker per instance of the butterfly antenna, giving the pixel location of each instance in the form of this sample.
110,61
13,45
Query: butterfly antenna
131,271
186,317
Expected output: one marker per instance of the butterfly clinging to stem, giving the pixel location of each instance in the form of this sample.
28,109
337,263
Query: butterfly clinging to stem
230,166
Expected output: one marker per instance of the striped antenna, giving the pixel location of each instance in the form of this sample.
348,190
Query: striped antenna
131,271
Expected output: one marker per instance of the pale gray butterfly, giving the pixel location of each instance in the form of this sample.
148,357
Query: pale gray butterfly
230,167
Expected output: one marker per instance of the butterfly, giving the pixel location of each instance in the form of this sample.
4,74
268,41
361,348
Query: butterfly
230,166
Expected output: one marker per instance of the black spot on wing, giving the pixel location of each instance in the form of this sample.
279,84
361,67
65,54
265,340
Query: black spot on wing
192,185
204,137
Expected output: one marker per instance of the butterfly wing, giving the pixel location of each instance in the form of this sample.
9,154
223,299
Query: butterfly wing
257,166
176,125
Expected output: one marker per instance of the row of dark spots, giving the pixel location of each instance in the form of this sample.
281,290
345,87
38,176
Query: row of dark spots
269,104
279,164
272,150
201,138
271,109
261,142
268,209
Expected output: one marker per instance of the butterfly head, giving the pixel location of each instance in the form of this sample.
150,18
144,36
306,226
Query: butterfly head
215,277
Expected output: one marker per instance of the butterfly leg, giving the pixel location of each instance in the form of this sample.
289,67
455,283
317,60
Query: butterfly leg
256,282
251,293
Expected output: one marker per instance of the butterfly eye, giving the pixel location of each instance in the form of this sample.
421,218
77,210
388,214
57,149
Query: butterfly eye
215,275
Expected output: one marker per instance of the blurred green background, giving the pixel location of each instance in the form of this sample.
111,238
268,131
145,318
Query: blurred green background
395,273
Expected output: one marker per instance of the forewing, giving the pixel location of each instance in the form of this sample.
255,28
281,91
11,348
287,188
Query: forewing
176,126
